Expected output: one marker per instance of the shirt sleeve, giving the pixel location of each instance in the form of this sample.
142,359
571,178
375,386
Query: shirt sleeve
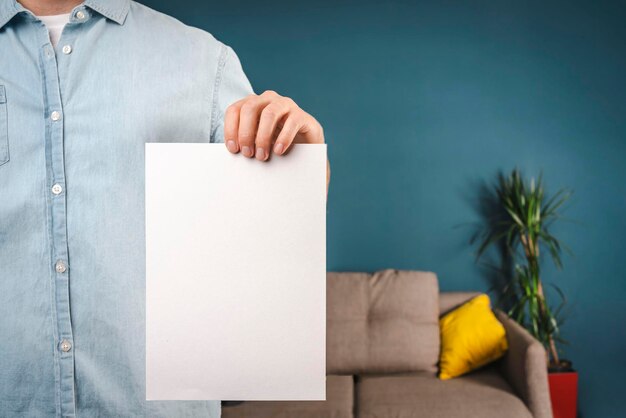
231,84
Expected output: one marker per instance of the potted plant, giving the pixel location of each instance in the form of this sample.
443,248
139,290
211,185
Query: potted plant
521,227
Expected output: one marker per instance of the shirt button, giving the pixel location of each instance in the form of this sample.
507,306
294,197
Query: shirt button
57,189
67,49
80,15
66,346
55,116
60,267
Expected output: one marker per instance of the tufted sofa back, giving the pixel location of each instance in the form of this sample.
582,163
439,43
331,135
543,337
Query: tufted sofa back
383,322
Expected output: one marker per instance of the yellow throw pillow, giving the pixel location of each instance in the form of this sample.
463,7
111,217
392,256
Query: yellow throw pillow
471,337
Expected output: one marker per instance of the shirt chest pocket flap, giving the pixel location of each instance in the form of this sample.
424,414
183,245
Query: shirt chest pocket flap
4,127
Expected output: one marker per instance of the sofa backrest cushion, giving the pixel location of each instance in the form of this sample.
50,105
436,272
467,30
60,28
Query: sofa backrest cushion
384,322
451,300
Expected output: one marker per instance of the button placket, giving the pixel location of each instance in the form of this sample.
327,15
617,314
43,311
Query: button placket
54,76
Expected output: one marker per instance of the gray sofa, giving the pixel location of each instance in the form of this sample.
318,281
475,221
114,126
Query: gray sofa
382,353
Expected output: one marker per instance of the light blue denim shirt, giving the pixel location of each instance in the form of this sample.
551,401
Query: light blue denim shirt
73,124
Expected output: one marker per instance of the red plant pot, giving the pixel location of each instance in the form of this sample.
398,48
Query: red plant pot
563,393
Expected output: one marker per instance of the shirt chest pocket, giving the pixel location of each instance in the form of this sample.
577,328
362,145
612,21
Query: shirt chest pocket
4,127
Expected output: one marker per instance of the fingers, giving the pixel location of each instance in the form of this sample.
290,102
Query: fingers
231,126
248,123
271,115
252,124
285,138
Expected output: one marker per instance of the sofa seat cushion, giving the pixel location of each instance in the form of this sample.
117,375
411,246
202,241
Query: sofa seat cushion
483,393
339,403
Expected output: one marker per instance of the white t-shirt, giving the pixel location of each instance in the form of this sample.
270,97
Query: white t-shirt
55,25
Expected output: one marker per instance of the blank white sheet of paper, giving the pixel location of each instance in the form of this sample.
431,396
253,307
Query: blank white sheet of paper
235,274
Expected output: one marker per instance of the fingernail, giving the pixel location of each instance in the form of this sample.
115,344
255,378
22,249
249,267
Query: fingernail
278,148
246,151
260,154
230,144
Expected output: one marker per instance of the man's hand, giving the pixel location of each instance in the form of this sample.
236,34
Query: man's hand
269,122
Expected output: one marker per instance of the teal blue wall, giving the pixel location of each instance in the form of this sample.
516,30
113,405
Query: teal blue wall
421,101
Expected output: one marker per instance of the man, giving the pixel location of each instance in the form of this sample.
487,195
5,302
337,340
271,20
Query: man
78,101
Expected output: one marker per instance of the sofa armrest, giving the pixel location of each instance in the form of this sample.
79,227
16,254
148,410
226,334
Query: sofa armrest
524,367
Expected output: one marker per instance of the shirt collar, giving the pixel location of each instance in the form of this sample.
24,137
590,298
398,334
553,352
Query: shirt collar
116,10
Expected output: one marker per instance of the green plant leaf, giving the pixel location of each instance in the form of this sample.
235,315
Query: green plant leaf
521,224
